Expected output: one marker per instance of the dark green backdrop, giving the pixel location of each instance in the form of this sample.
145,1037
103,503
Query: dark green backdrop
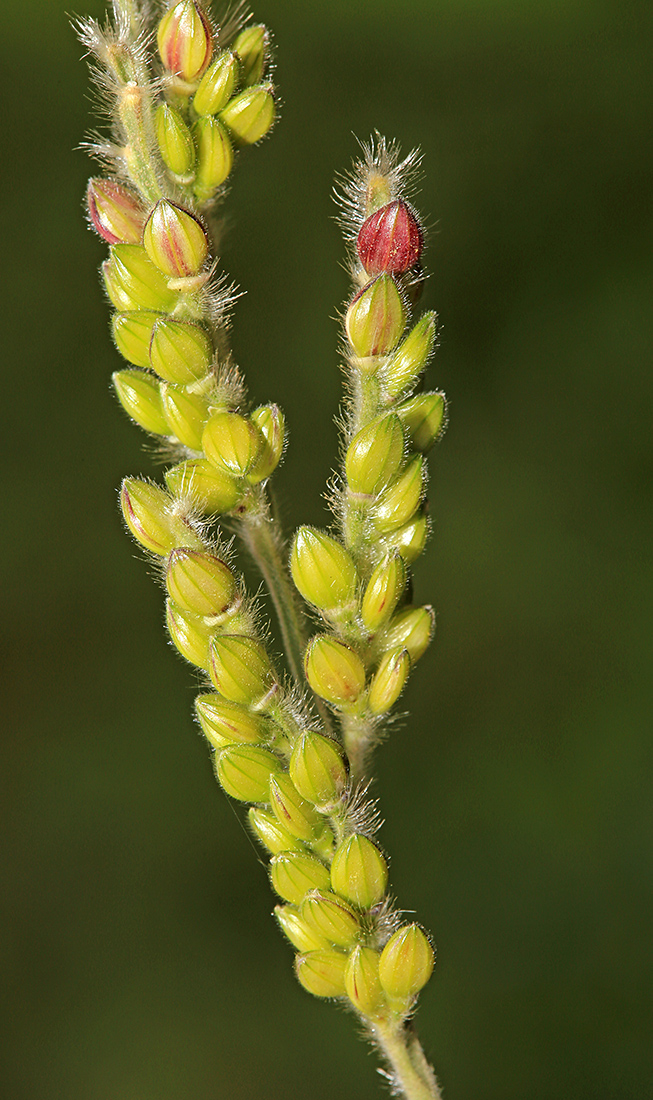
141,960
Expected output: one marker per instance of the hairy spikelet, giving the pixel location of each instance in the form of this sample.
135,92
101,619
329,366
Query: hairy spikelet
380,159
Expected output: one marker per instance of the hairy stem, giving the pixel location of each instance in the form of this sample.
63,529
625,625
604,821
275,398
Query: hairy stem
135,115
135,102
357,734
403,1052
261,536
130,11
365,406
366,400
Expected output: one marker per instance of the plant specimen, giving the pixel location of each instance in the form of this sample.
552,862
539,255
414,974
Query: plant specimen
294,742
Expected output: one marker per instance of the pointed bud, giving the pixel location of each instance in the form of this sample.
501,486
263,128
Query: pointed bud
115,212
376,318
412,628
140,397
226,724
184,40
322,973
399,502
251,49
133,282
217,85
410,358
362,981
249,115
132,333
389,681
200,582
334,671
271,833
148,513
213,491
179,351
190,634
323,571
317,769
293,811
410,540
390,240
293,875
384,590
232,442
424,419
175,241
406,963
331,917
215,157
175,140
359,872
240,669
298,932
270,422
375,455
244,772
186,414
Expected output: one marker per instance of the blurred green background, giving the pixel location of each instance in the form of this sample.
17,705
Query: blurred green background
140,958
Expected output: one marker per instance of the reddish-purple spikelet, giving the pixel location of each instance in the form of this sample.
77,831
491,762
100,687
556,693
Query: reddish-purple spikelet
390,240
175,240
185,40
115,212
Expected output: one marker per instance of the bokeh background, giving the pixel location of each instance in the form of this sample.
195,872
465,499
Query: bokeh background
140,958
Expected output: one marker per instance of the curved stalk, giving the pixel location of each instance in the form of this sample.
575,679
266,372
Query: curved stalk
410,1071
261,536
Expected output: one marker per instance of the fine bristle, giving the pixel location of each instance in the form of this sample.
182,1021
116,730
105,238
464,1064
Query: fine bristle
380,160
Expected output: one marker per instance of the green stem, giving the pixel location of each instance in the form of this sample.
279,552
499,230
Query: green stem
420,1060
403,1052
130,10
358,731
134,99
136,117
357,735
367,400
263,539
365,405
264,543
